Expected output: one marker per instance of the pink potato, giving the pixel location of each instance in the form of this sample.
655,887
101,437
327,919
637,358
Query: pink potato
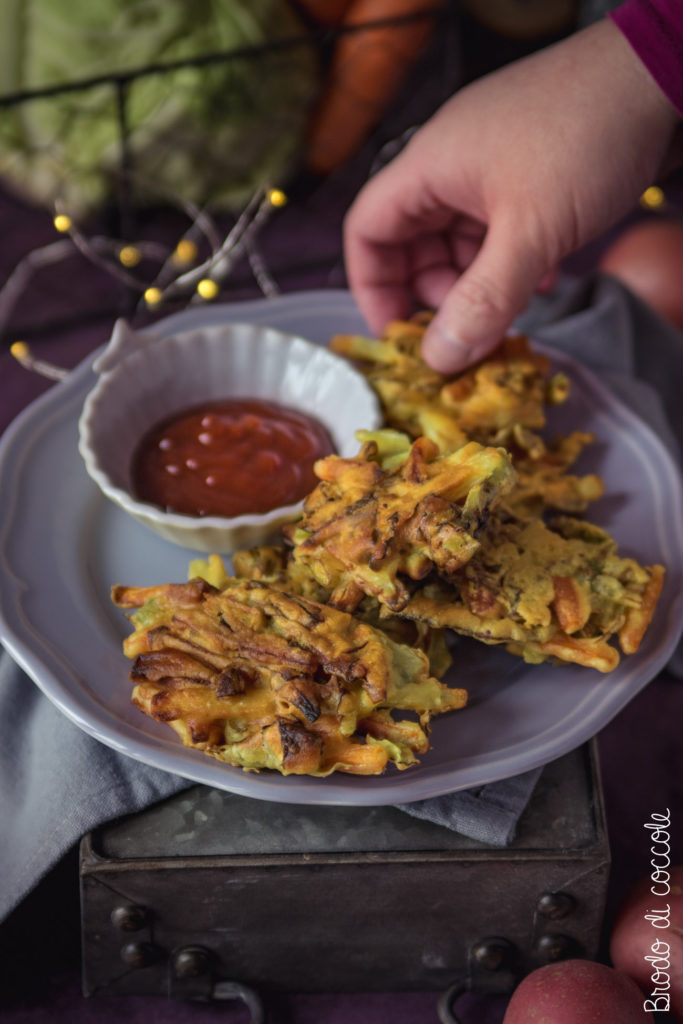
642,931
648,258
576,992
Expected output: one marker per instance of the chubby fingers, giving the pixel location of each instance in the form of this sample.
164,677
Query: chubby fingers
382,229
402,244
484,301
379,279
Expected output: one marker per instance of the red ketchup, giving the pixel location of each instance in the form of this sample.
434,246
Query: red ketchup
229,458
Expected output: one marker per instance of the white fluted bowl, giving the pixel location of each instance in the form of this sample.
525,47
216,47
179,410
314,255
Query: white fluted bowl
144,379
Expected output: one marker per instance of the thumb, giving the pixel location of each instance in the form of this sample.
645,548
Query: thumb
481,305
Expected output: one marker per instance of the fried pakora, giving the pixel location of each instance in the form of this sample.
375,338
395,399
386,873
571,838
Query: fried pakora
541,482
507,391
261,679
544,484
366,530
553,590
557,592
277,567
500,401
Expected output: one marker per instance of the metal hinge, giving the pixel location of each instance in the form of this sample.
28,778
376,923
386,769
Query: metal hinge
491,970
191,976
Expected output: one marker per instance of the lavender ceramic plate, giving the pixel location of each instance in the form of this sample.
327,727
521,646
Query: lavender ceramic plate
56,568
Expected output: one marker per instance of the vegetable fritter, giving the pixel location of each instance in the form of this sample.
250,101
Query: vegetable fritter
500,401
557,592
366,530
258,678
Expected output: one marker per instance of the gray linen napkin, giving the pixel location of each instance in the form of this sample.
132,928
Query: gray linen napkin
488,813
57,783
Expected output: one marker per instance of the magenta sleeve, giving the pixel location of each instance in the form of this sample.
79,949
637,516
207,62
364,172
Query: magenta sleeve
654,30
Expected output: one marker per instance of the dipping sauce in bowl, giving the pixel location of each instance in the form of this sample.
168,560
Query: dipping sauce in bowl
149,381
229,458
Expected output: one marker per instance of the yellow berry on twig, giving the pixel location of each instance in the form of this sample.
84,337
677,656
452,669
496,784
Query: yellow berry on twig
207,288
277,197
185,251
130,256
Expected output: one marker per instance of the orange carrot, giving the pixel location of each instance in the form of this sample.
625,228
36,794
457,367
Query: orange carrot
365,73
